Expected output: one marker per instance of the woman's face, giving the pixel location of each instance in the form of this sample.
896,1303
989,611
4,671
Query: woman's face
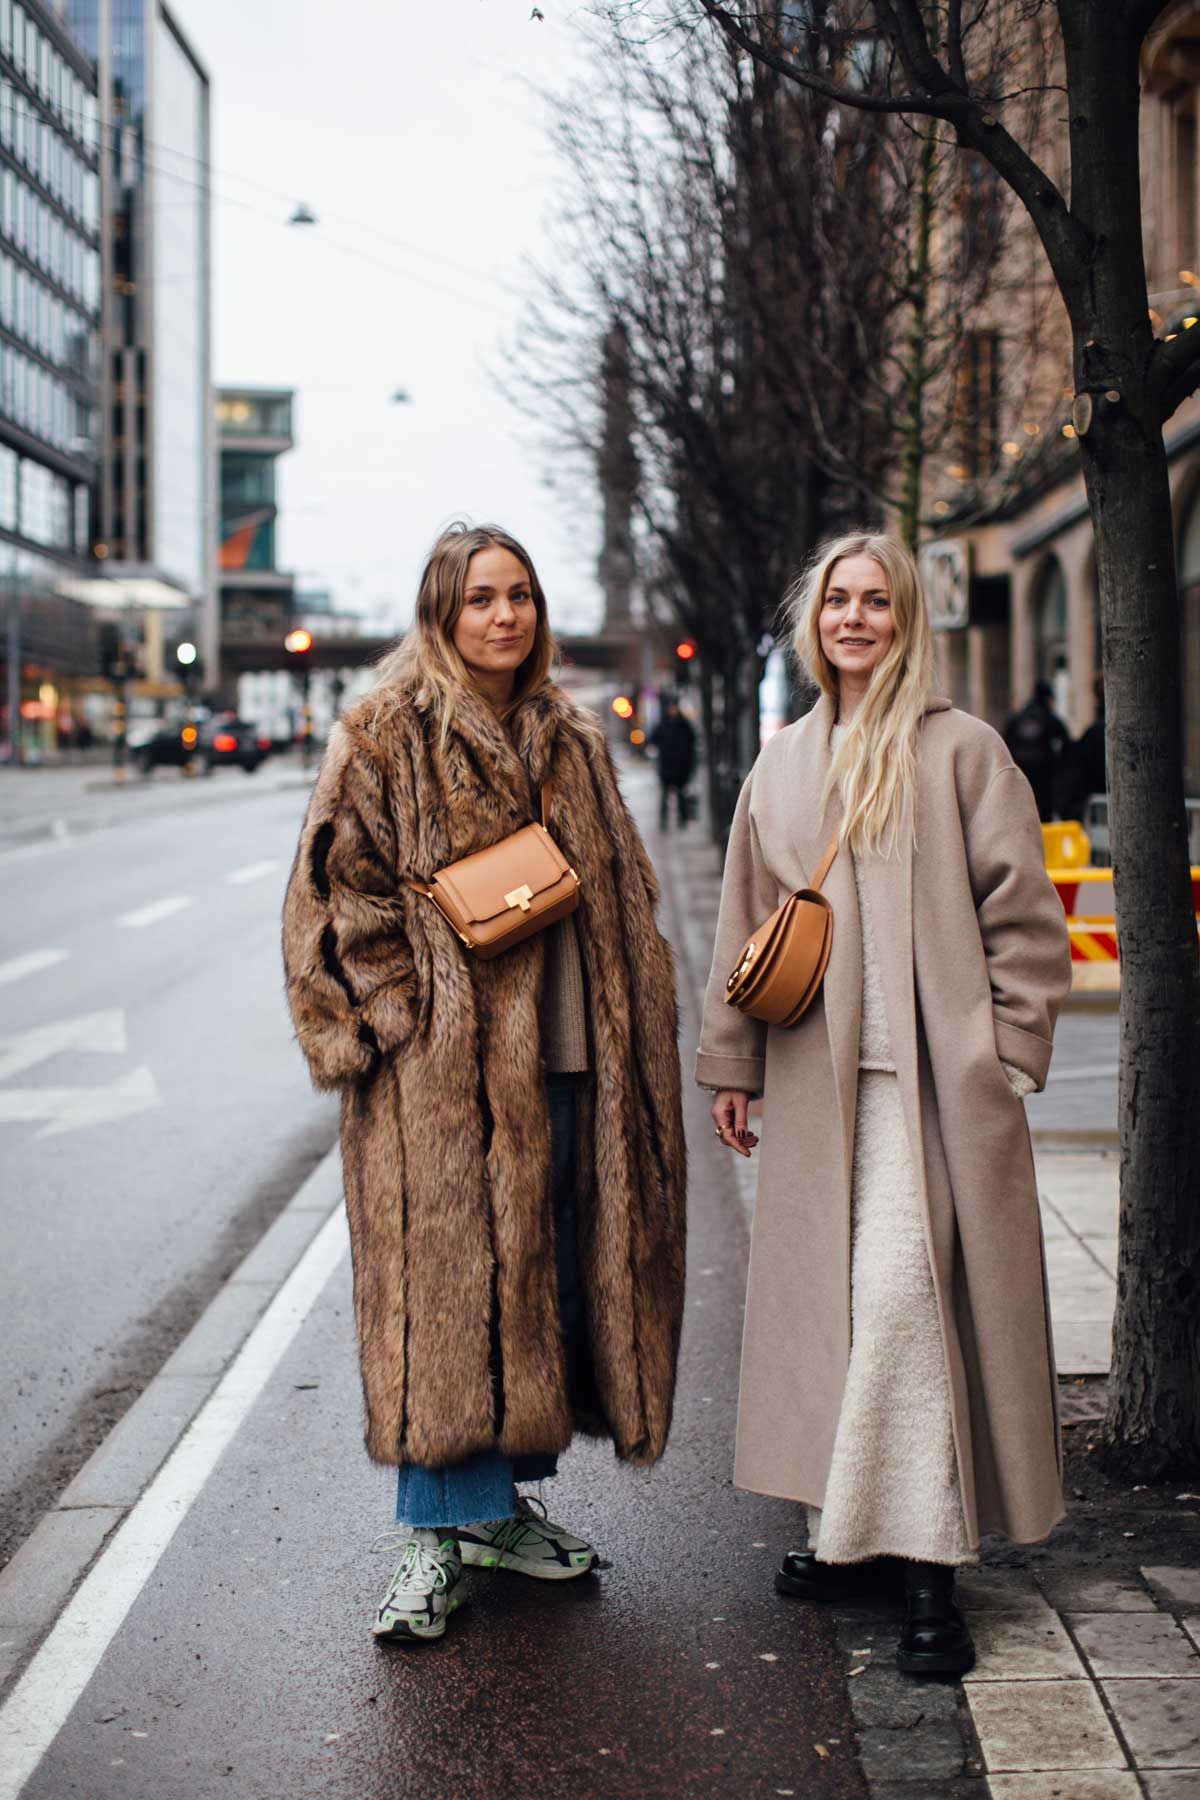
497,622
856,623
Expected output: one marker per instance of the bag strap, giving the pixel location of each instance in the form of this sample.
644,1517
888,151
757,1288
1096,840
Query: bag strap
426,893
826,862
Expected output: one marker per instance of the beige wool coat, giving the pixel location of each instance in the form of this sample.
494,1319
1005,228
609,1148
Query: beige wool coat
438,1057
975,963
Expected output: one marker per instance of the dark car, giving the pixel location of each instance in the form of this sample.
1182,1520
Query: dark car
232,740
210,743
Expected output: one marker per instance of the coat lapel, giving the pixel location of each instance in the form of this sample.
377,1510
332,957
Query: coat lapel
889,885
812,826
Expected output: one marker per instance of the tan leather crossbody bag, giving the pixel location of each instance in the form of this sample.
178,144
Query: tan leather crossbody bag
497,897
780,970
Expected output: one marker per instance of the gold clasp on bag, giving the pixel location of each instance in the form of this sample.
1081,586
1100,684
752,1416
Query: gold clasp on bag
520,896
743,966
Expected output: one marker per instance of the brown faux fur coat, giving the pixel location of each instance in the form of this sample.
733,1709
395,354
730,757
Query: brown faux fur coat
445,1133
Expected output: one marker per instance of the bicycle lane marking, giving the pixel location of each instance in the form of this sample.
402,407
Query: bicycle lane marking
46,1694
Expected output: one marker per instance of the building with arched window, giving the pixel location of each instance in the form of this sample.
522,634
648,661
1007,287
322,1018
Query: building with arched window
1023,542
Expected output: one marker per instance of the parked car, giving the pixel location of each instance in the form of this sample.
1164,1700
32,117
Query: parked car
210,743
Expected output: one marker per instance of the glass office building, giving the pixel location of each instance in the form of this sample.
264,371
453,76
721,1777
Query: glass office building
158,470
50,288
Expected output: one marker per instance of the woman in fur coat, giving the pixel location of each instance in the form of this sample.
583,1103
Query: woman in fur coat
897,1372
512,1141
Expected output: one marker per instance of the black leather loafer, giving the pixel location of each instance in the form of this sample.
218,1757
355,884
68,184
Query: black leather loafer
801,1577
935,1639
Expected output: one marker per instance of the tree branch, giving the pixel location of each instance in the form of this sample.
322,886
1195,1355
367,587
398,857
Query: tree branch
1175,371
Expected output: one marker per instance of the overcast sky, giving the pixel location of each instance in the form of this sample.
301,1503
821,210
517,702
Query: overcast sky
408,130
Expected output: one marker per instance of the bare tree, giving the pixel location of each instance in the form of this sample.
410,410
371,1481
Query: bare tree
976,69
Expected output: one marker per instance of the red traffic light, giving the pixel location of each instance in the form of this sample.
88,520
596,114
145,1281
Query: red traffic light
623,706
686,650
298,641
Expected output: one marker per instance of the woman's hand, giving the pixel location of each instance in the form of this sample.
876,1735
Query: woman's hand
729,1112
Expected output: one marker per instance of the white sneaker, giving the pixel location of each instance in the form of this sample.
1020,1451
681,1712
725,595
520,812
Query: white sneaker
527,1543
424,1589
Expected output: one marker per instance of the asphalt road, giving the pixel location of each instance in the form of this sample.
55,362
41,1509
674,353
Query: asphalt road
244,1666
154,1114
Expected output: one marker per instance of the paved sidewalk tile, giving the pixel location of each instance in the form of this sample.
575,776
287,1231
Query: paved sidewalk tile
1000,1590
1174,1784
1043,1725
1092,1594
1127,1643
1078,1786
1180,1587
1023,1646
1160,1721
1081,1346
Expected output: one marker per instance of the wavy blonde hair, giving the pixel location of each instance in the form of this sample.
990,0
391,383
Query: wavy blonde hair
426,659
875,767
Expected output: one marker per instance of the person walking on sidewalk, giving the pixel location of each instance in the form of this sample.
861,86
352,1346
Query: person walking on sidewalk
511,1129
673,741
898,1375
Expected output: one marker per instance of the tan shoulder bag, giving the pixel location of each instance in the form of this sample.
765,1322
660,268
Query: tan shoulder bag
497,897
780,970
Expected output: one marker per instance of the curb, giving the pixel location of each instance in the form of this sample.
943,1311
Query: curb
39,1579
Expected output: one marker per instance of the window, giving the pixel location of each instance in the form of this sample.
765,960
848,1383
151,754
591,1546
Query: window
6,25
8,485
977,402
1184,157
1050,630
18,37
6,114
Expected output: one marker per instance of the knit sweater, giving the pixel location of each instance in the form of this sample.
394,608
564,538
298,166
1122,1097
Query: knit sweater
564,1009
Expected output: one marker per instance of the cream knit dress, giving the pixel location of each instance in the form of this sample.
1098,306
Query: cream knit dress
893,1487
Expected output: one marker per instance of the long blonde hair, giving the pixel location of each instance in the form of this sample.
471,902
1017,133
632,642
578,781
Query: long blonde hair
426,658
875,767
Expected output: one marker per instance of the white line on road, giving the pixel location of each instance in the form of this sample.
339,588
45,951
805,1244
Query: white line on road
31,964
252,872
158,909
41,1702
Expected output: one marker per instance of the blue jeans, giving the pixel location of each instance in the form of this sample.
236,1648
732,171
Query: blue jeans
482,1487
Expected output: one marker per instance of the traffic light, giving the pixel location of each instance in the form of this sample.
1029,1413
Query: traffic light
685,651
298,643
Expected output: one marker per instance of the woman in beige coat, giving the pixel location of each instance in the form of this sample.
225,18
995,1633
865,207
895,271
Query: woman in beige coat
897,1372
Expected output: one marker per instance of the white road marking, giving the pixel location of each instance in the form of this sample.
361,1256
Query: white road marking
40,1704
100,1031
31,964
158,909
69,1109
252,872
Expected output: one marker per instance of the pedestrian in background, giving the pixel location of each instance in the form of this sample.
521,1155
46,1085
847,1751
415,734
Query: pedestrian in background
1084,772
898,1375
1037,740
674,742
511,1132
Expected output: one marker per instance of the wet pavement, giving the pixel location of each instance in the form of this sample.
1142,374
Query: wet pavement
245,1665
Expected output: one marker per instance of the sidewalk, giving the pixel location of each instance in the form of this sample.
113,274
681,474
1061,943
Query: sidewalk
1087,1685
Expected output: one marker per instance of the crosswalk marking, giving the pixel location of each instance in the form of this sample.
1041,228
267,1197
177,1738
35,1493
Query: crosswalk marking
158,909
252,872
31,964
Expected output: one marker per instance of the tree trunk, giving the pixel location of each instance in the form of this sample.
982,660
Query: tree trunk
1154,1405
